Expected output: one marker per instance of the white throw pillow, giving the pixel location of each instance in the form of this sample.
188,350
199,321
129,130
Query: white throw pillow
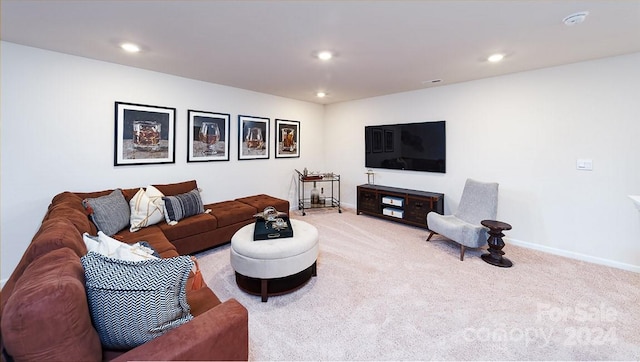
107,246
147,208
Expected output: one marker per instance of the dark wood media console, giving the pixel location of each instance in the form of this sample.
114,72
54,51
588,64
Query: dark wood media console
401,205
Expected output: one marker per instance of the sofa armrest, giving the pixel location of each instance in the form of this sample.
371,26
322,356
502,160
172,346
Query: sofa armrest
221,333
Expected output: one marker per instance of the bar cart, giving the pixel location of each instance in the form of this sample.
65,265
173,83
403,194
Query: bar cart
324,193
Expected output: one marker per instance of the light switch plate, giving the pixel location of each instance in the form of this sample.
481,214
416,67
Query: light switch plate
584,164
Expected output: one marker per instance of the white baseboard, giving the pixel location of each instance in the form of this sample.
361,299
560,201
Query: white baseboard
574,255
565,253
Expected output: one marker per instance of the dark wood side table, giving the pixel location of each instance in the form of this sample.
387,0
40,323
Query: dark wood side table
495,255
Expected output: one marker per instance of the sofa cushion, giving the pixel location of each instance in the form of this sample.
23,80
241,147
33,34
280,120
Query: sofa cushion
231,212
110,213
77,217
47,317
201,300
132,303
260,202
177,188
196,224
69,200
66,197
55,234
154,236
182,206
107,246
128,193
147,208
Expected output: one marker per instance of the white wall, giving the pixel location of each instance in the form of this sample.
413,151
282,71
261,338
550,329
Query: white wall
58,132
526,132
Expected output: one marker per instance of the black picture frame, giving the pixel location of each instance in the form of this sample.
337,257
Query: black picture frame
197,148
287,138
253,137
144,134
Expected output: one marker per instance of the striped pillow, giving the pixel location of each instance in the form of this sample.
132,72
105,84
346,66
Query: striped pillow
184,205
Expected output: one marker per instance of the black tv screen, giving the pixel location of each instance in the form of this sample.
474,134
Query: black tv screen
408,146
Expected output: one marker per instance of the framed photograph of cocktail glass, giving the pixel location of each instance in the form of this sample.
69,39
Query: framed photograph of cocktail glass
253,138
144,134
208,136
287,136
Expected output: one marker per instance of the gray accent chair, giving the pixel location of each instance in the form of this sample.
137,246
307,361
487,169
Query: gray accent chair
479,202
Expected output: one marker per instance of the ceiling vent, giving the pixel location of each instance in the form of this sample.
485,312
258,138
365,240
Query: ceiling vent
576,18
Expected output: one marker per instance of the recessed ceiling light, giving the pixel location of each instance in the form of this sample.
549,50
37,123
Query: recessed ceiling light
130,47
321,94
325,55
495,58
575,18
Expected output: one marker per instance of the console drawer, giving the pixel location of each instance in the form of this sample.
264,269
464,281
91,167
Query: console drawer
394,201
390,211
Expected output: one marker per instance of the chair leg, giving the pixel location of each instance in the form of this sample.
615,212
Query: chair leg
430,235
462,250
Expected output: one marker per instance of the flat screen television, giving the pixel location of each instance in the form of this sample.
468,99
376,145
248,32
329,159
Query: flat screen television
407,146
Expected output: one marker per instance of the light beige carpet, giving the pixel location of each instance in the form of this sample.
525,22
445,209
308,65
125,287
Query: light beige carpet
384,293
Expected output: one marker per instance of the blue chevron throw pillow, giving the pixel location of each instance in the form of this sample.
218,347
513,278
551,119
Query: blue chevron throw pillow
132,303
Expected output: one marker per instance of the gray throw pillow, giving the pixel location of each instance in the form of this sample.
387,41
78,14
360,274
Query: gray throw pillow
132,303
184,205
110,213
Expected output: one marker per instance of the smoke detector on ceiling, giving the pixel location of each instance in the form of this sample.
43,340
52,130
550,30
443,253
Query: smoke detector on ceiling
576,18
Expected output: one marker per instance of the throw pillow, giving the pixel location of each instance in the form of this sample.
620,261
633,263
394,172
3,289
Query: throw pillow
110,213
132,303
184,205
113,248
147,208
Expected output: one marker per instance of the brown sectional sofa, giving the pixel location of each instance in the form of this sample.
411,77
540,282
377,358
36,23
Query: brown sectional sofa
44,310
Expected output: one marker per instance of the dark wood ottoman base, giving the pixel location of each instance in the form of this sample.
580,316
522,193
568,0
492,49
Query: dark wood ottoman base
275,286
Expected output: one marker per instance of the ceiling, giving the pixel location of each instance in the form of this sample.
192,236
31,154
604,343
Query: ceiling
381,47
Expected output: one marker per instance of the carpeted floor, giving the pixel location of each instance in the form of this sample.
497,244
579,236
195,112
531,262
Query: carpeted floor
384,293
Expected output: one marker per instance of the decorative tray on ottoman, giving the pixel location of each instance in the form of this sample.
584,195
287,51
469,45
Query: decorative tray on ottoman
270,230
272,224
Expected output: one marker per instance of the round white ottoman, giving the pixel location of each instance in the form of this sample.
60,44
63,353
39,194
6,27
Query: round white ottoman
274,266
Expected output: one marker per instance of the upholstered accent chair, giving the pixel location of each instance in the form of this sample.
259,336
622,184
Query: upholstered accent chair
479,202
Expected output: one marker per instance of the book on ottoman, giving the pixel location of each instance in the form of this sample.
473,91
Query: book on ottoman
272,229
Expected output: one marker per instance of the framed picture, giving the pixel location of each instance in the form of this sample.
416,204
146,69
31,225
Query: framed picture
208,136
253,138
144,134
287,137
388,141
376,134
